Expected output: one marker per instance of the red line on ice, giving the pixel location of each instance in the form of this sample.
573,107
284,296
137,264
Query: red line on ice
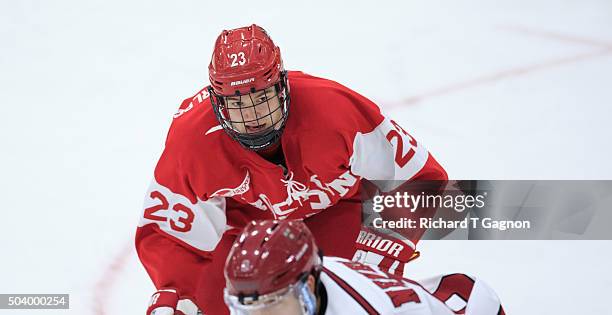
605,48
574,39
103,287
497,76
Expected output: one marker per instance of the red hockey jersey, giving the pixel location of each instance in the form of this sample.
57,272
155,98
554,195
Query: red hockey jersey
206,186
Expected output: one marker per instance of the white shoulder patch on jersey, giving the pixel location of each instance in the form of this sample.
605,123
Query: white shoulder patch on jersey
199,224
387,153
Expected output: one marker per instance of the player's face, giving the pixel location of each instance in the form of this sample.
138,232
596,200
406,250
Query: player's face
255,112
288,303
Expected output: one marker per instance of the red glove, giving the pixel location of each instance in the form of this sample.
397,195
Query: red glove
390,254
168,302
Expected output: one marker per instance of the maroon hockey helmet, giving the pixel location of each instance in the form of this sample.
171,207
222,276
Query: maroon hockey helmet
245,60
270,256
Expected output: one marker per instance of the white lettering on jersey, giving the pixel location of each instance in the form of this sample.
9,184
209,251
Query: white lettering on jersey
198,99
299,194
181,111
343,183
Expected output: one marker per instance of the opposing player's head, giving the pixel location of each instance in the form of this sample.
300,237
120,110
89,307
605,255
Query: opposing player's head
273,268
248,86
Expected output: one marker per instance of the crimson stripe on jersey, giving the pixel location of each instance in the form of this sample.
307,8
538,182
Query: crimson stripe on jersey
461,311
352,292
400,269
457,283
386,262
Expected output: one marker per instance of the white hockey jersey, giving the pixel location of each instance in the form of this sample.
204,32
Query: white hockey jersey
354,288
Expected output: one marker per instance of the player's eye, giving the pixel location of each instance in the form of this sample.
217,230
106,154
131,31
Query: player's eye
235,104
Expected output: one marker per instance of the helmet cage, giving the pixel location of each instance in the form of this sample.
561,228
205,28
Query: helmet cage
259,139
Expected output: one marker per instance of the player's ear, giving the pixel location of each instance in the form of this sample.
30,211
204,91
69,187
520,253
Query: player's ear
311,282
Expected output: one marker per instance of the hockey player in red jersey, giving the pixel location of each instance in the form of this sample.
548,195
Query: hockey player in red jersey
275,268
264,143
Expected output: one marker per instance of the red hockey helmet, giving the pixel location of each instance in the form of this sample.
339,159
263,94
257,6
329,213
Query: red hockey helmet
271,259
244,61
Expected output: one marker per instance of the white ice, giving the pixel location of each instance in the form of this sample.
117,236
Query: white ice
501,89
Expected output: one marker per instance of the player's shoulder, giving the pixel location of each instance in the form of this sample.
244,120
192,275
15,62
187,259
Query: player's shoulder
343,281
196,148
306,80
310,87
194,122
344,268
330,105
383,292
